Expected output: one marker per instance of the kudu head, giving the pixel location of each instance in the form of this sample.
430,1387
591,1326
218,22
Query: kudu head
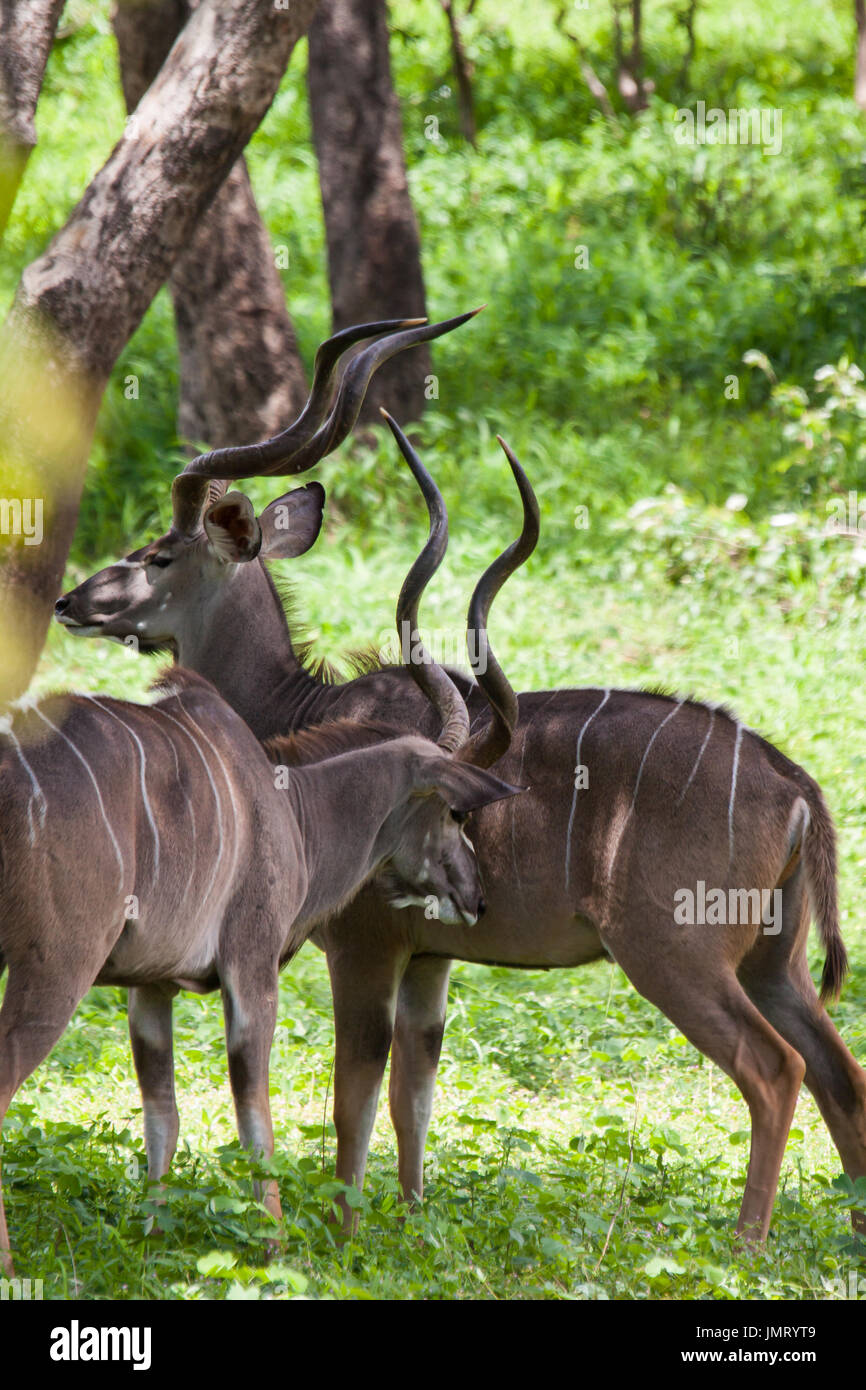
168,588
434,858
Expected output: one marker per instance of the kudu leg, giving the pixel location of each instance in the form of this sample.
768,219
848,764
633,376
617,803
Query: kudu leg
150,1033
364,985
776,977
35,1012
701,995
249,993
420,1023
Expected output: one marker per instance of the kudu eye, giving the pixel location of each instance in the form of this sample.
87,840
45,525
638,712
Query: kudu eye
460,816
161,561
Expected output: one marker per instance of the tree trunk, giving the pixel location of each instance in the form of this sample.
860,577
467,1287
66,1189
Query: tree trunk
27,29
78,304
374,256
462,75
241,374
630,81
860,60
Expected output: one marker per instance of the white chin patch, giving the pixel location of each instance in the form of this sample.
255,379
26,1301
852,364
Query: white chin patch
407,902
76,630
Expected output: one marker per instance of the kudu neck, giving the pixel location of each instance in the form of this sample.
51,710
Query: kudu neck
344,808
240,642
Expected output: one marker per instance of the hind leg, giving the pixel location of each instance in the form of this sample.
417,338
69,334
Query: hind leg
365,974
36,1009
150,1033
690,978
776,977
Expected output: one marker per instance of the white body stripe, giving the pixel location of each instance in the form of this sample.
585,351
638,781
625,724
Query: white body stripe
734,771
698,759
600,706
89,770
626,818
148,810
195,744
228,782
514,799
36,794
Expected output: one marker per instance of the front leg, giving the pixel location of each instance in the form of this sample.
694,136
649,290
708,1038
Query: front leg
420,1024
150,1031
249,994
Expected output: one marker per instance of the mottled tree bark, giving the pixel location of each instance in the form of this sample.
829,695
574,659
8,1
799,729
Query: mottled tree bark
241,374
374,254
27,29
78,304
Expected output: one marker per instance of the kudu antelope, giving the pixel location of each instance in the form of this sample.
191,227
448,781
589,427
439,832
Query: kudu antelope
154,846
635,798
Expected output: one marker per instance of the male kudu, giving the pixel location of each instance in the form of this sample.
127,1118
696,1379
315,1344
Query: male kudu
154,846
634,797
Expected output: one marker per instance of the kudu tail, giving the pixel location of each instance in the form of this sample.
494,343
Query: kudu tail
819,858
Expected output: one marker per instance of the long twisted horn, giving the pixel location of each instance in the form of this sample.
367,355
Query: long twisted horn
436,684
314,434
491,742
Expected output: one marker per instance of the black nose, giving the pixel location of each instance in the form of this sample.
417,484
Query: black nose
62,604
482,907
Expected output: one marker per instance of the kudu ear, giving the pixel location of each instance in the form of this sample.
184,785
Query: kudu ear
291,524
232,528
463,787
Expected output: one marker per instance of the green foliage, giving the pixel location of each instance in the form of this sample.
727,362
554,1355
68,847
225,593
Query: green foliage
613,375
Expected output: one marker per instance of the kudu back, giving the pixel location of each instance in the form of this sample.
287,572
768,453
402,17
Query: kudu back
638,804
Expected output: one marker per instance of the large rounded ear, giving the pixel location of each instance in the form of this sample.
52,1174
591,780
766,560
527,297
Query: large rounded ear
232,528
291,524
463,787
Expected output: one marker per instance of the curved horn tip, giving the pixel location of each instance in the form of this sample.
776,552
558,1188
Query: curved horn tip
514,461
412,323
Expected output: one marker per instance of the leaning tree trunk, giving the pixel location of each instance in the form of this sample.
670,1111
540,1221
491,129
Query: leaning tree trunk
374,254
27,29
78,304
241,374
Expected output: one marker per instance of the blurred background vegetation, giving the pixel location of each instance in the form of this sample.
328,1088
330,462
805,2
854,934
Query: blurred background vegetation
608,379
705,564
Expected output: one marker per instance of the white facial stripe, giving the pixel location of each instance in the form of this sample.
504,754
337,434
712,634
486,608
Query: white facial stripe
600,706
734,771
617,839
148,810
86,765
195,744
36,793
700,755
